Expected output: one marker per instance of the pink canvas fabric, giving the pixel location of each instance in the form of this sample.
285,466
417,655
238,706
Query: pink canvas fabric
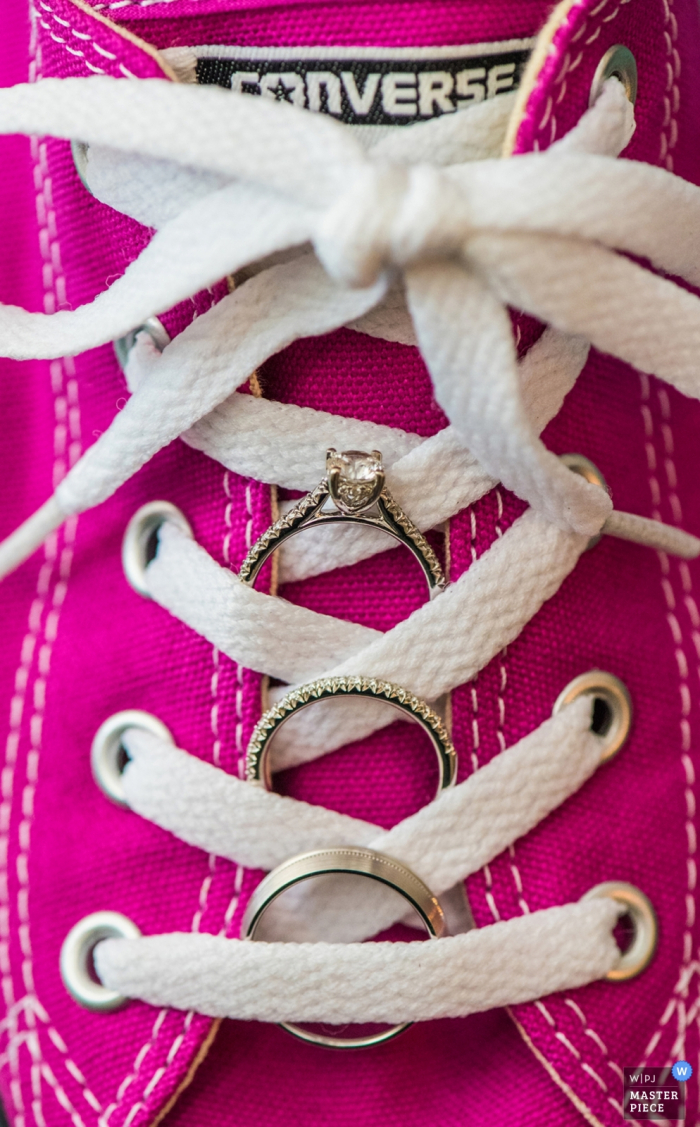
79,644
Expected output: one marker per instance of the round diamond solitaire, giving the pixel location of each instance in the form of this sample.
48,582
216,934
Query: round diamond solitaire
355,479
354,486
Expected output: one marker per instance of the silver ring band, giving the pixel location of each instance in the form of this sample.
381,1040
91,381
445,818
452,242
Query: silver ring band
257,762
345,859
354,483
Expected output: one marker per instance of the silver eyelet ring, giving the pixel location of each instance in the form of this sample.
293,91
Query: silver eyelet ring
614,695
140,538
646,929
107,756
79,151
584,467
362,862
77,970
156,331
618,62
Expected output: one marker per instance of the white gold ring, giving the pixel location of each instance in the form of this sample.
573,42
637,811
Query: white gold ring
361,862
353,491
257,764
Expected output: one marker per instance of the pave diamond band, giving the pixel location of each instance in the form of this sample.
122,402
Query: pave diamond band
257,766
355,490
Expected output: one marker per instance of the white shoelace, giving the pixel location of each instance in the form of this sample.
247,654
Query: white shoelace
423,238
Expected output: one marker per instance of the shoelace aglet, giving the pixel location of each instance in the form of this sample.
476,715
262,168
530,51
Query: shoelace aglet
653,534
30,535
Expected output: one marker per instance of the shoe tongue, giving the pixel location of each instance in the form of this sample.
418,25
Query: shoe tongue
378,64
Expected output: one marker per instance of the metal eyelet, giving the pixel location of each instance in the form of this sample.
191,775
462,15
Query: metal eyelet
613,726
140,541
641,912
618,62
584,467
79,151
156,331
77,970
108,757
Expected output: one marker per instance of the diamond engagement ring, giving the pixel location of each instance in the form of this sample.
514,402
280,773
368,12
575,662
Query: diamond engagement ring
353,490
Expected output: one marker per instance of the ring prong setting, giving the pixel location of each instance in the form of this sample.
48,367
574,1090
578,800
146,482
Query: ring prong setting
355,479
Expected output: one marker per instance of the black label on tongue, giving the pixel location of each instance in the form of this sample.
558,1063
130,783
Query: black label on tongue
366,85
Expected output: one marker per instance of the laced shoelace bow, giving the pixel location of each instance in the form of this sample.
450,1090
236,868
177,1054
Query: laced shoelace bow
464,238
423,239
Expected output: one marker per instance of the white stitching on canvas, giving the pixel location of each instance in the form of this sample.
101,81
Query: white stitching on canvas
488,894
473,686
539,1004
178,1040
501,719
216,753
59,370
29,1037
130,3
84,38
518,882
594,1037
500,734
206,884
140,1057
475,728
216,746
566,68
61,1097
240,750
65,390
488,891
137,1107
676,1005
227,520
669,132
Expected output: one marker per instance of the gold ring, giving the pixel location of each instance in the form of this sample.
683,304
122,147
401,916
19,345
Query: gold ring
257,766
355,490
345,859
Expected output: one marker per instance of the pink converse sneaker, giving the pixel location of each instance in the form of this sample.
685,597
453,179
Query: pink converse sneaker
351,655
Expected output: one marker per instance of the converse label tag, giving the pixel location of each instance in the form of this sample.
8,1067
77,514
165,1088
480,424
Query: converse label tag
363,85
